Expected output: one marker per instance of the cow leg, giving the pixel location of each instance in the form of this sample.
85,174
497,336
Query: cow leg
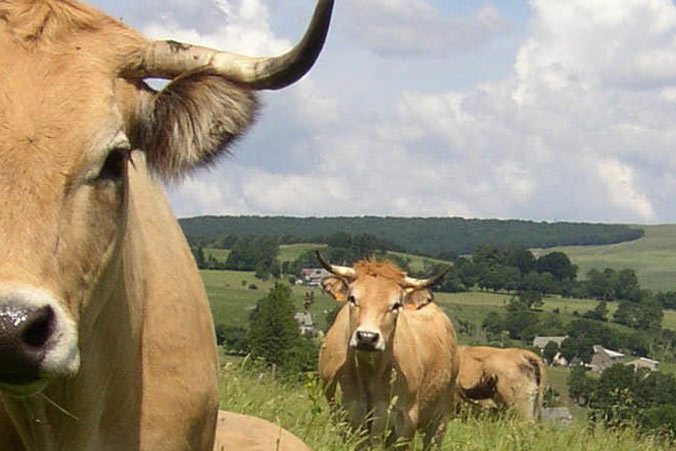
526,403
435,431
403,426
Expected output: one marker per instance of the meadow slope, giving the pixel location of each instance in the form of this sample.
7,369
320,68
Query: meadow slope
653,257
300,407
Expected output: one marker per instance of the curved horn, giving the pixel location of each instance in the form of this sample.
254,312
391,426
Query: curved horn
169,59
344,271
419,284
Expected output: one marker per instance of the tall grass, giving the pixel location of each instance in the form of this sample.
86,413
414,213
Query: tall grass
299,406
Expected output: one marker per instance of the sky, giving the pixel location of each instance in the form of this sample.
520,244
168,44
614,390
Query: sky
542,109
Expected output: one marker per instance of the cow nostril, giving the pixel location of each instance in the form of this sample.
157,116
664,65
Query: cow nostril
367,337
39,327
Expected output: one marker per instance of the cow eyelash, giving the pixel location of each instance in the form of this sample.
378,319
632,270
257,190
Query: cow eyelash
113,167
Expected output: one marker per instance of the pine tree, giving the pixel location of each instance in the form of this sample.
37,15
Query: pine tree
272,327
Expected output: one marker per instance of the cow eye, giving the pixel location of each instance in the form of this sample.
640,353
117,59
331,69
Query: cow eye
115,164
396,307
352,300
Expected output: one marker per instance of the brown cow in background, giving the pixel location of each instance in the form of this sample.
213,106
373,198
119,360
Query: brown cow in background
391,350
512,378
106,337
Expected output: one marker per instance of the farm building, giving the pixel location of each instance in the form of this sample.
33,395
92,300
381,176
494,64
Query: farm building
541,342
644,362
604,358
313,276
305,323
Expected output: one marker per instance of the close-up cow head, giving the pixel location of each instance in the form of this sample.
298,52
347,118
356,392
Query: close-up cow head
75,117
377,292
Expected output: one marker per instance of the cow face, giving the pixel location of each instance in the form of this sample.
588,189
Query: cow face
377,293
374,304
63,182
73,105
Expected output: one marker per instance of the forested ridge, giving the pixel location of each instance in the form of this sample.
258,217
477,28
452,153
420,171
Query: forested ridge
425,236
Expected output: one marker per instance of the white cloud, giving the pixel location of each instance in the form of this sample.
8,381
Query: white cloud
620,183
245,29
582,128
409,28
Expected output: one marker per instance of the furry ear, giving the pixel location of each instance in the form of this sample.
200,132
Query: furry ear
417,299
191,122
336,287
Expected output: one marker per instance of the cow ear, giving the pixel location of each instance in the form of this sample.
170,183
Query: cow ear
190,122
336,287
417,299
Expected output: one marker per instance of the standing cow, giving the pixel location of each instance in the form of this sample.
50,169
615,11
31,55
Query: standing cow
106,338
511,378
391,350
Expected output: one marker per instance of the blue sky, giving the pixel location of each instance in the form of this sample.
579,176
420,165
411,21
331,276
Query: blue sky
544,109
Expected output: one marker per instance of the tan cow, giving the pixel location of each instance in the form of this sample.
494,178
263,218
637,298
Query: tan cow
511,378
390,346
237,432
106,338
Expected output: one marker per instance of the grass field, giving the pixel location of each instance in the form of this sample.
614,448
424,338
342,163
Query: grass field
218,254
290,252
416,261
301,408
231,300
653,257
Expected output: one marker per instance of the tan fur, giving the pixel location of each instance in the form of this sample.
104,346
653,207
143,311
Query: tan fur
237,432
512,378
418,366
109,251
36,21
383,269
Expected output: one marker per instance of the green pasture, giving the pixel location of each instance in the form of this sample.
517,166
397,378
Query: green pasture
218,254
653,257
231,301
290,252
300,407
417,261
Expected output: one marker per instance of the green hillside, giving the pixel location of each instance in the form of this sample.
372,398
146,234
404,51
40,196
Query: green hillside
653,257
426,236
298,405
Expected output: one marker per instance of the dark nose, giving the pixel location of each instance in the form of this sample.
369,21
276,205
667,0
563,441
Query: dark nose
367,339
24,334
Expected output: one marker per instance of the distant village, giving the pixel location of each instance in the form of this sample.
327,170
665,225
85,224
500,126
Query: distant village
311,277
602,358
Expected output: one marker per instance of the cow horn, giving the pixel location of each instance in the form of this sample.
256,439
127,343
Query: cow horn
344,271
419,284
169,59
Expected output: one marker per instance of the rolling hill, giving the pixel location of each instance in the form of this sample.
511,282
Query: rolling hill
425,236
653,257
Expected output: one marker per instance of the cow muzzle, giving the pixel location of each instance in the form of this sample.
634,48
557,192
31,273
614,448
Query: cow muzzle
366,340
38,341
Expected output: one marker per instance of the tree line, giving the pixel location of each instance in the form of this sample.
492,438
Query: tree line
433,237
625,396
